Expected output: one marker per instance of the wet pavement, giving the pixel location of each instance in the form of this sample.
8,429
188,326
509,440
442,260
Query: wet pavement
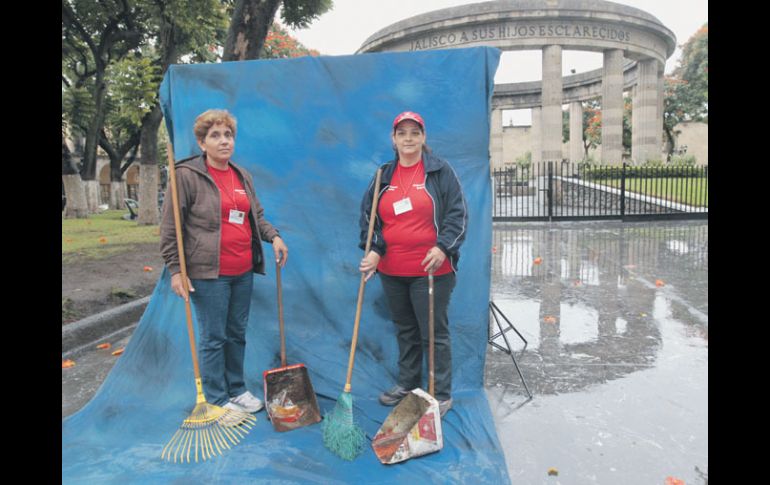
616,321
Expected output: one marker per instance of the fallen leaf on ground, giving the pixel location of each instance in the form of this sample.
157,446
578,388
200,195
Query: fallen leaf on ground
538,260
69,239
66,364
674,481
102,240
659,283
549,319
119,351
104,346
148,268
553,471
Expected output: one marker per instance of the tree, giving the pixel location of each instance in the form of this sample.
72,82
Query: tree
189,29
251,20
73,187
94,35
686,91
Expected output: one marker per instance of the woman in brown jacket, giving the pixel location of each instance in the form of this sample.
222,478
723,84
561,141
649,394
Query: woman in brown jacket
222,229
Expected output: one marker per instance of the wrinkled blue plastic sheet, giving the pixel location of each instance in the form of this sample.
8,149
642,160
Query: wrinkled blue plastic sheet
312,132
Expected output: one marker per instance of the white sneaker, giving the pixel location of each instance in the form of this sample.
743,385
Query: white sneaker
247,402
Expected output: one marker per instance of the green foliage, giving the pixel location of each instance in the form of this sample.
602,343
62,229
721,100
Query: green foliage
651,168
301,13
686,160
133,84
686,92
524,161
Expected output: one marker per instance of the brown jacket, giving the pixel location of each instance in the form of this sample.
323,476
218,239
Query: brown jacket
199,211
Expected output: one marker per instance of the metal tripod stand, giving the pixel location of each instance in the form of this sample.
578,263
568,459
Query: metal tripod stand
495,311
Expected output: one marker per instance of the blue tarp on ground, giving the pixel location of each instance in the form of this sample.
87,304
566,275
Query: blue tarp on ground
312,132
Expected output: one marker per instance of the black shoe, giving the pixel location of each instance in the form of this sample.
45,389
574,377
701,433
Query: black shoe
393,396
444,406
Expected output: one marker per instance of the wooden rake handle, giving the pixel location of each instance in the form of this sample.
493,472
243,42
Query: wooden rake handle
362,284
182,263
431,341
280,312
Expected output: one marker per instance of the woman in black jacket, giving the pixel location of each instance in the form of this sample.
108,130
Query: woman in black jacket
421,223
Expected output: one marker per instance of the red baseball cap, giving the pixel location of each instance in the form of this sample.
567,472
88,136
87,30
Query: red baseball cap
409,115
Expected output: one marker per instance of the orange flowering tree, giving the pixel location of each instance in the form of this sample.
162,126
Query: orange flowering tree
280,45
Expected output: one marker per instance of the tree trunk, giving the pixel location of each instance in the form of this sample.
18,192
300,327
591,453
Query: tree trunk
248,28
88,171
148,169
669,142
73,186
117,194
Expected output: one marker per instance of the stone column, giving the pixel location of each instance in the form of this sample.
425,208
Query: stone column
551,133
576,131
635,128
646,105
537,145
496,139
659,117
612,107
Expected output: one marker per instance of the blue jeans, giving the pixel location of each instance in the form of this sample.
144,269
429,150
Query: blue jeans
222,306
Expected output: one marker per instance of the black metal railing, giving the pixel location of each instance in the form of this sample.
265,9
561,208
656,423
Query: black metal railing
570,191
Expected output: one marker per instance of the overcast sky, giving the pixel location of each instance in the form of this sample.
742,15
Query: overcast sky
342,31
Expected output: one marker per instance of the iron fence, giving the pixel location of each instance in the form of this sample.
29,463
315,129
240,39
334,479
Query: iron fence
570,191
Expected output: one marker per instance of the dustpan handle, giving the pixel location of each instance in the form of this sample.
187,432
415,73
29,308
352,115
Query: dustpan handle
280,312
430,335
182,262
362,284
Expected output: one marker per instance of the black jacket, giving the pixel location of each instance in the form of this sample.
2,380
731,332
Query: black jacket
450,213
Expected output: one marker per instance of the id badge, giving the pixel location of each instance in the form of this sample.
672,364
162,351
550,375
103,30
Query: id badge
236,216
403,205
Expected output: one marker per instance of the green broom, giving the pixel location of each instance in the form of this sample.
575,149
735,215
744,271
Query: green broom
341,435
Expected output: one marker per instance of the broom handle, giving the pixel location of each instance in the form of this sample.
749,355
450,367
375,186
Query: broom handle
280,313
363,280
182,264
430,334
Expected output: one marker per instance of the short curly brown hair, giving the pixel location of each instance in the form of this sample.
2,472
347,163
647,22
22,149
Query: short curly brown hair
207,119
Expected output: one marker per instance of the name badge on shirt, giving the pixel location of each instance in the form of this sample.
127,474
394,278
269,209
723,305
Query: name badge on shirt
236,217
403,205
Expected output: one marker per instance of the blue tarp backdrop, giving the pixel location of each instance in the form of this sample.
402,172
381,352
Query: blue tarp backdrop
312,132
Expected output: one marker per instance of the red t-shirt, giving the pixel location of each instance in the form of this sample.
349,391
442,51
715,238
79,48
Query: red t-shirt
235,239
411,234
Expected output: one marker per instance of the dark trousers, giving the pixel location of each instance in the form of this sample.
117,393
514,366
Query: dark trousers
408,301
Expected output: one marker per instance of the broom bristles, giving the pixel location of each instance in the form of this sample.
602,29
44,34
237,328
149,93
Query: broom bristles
341,435
207,432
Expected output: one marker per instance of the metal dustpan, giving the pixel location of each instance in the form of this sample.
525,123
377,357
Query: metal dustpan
413,428
290,400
